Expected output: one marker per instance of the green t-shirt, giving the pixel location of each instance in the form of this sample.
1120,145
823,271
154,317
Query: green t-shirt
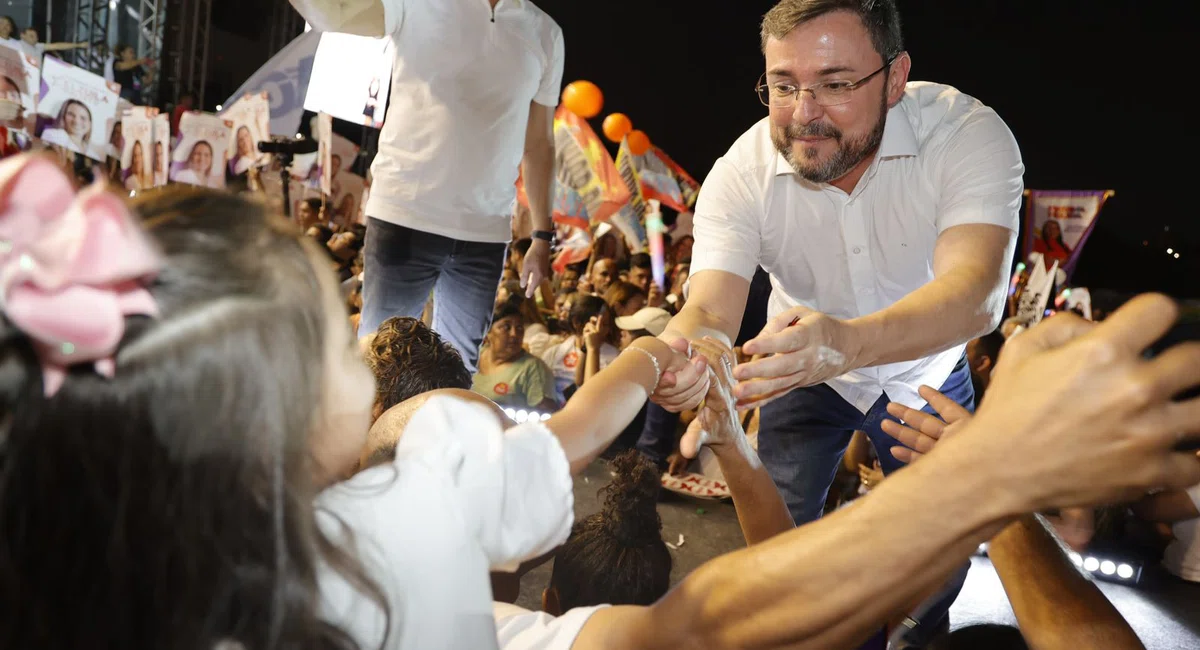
525,382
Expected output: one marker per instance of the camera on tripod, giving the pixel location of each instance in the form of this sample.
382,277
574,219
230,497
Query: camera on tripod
284,150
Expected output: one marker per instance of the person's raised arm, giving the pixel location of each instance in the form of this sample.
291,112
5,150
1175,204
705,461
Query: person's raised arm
832,582
373,18
1057,608
724,257
601,408
761,510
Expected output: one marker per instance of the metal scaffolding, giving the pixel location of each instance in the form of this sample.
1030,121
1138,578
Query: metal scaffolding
185,49
92,19
151,25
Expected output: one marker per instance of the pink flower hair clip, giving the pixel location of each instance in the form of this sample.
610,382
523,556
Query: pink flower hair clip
72,267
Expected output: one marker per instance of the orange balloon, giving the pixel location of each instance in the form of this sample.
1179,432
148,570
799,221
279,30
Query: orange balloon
617,126
639,143
584,99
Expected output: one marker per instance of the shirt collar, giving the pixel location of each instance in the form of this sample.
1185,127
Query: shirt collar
899,141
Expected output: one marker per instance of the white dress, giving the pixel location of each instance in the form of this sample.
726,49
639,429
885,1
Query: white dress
463,497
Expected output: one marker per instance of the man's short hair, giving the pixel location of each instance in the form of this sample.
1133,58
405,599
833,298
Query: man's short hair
408,359
989,345
639,261
880,17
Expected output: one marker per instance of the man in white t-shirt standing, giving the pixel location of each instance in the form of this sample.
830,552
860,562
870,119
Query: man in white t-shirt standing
474,88
885,213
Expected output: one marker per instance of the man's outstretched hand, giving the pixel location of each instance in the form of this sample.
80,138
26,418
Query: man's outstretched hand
681,388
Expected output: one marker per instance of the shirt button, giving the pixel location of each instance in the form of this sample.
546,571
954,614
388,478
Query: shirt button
857,250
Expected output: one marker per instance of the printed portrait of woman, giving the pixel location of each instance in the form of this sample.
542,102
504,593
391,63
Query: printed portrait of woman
372,100
199,166
347,210
245,154
138,176
1051,244
160,165
72,128
10,91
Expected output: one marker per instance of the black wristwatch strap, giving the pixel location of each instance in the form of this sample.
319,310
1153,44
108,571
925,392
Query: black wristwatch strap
547,235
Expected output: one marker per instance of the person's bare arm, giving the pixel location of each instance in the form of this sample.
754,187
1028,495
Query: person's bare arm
1166,507
58,47
803,347
714,308
761,510
1057,608
598,412
537,169
965,299
362,17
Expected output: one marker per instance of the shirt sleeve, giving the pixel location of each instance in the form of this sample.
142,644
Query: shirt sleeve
541,631
981,175
726,224
513,487
551,84
538,381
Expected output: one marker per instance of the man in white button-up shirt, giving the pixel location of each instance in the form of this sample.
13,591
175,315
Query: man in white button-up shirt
885,213
474,88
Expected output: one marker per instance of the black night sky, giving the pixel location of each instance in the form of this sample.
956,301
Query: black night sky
1093,91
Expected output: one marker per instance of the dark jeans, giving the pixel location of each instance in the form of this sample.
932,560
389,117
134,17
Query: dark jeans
804,434
656,437
401,266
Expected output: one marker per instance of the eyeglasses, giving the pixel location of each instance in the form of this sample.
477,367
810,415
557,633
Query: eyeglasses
784,94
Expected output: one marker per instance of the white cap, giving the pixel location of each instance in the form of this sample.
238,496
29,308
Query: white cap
651,319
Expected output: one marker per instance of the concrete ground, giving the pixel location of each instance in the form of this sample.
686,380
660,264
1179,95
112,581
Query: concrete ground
1164,611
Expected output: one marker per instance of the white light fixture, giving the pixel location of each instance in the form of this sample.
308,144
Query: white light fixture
218,108
1076,559
1108,567
1124,572
1091,564
1170,250
545,416
522,416
112,5
1176,255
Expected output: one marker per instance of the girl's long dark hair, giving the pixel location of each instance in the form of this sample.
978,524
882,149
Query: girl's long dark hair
172,505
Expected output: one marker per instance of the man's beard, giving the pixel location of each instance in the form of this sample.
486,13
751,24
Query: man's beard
850,151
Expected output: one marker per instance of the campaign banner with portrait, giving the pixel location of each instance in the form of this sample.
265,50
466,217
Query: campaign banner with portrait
344,206
340,153
201,155
137,156
19,75
351,78
76,110
1058,223
250,116
160,157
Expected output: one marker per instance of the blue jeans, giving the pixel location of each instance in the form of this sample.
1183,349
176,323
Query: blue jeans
401,266
804,434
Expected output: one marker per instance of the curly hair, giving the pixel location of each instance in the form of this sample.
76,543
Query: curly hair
617,556
408,359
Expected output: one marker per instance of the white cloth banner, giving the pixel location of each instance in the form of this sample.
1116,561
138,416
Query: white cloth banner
285,80
1032,305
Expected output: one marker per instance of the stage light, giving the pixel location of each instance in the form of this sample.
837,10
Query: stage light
1076,559
522,416
1108,567
1124,572
218,108
1176,255
545,416
1170,250
1091,564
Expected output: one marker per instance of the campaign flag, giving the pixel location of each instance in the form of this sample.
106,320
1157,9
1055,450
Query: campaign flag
285,80
584,165
1058,223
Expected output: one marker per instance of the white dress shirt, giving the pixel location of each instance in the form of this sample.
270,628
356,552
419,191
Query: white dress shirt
454,135
521,629
462,497
945,160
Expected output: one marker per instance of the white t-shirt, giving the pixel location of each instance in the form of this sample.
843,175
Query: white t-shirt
566,356
1182,556
463,497
520,629
945,160
462,82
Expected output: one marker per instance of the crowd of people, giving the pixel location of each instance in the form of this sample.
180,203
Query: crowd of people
221,428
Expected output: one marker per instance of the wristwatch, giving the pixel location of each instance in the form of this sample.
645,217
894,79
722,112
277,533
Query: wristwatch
545,235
